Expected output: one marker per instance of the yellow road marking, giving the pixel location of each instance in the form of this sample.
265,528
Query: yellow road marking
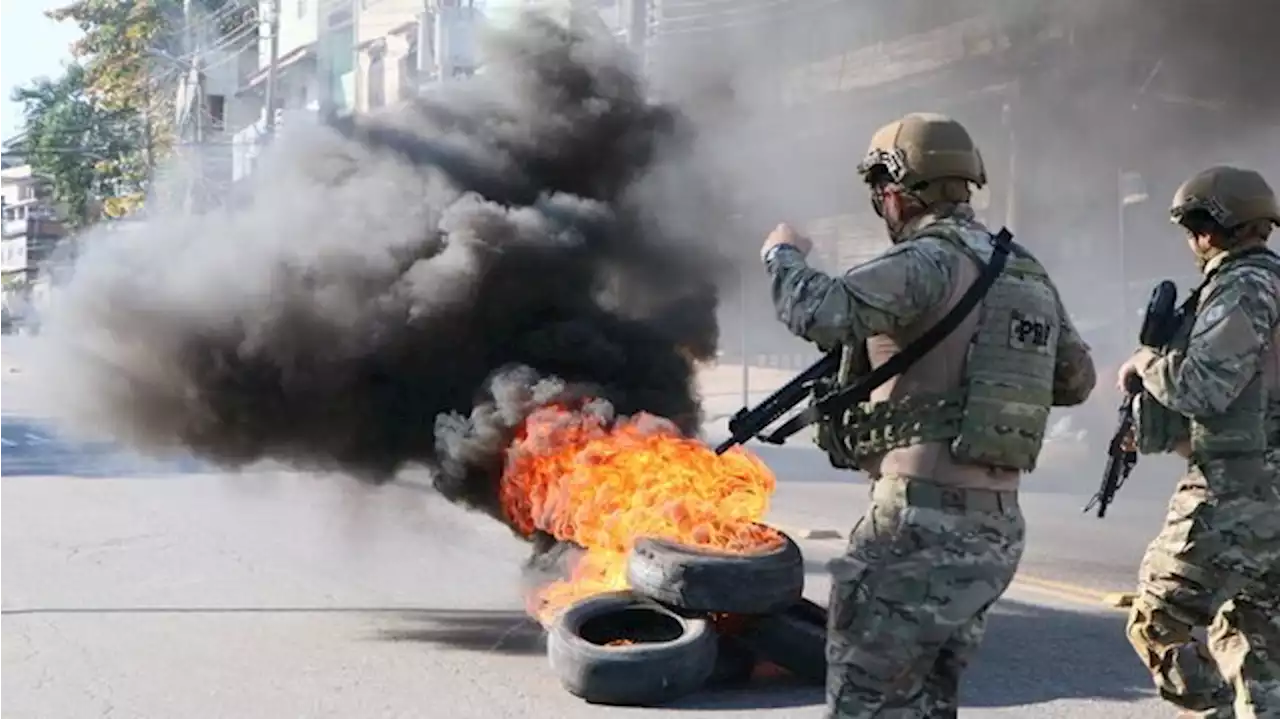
1062,590
1075,592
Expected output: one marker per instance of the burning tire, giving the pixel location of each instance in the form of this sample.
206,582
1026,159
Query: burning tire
622,649
735,663
699,580
794,639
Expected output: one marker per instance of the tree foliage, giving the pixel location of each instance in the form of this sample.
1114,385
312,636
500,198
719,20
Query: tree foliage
70,140
132,60
118,50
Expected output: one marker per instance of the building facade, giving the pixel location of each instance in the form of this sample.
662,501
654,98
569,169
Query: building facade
31,234
1088,113
343,56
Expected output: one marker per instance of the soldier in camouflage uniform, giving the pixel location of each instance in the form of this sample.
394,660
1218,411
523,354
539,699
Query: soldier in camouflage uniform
1216,562
947,441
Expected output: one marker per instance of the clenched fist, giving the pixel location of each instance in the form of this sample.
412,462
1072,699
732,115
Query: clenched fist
784,235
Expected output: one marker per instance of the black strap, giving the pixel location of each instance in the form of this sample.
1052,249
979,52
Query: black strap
861,389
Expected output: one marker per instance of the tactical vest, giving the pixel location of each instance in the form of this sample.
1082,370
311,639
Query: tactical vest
1250,425
984,393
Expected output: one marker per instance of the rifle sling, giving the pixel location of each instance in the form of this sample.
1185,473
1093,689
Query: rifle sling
917,348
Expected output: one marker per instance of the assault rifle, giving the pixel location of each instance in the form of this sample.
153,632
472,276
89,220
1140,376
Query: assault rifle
1161,320
750,422
1121,456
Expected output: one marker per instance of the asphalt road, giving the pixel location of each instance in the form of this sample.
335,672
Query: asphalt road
280,595
181,592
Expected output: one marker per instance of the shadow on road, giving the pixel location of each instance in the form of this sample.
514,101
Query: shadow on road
1034,654
770,692
504,632
816,566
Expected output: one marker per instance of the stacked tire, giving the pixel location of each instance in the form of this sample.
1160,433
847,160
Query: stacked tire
691,619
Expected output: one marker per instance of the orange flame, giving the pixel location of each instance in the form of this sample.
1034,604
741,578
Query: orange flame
603,487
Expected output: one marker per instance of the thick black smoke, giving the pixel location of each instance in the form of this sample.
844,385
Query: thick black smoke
403,290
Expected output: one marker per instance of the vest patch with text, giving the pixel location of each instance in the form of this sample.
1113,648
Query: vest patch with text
1031,332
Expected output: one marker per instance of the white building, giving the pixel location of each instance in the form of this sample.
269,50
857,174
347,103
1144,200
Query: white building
359,55
297,90
31,231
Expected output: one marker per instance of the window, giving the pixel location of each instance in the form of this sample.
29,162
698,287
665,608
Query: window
26,192
217,111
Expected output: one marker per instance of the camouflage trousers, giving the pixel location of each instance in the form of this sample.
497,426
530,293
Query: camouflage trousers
1214,565
910,596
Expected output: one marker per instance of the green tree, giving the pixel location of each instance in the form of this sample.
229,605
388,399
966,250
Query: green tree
72,141
119,49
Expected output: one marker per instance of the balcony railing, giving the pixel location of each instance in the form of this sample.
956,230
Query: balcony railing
36,225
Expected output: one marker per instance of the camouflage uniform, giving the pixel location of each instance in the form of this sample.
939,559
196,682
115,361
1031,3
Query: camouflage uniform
1216,561
927,560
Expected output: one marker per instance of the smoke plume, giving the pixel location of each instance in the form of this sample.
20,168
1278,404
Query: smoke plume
404,289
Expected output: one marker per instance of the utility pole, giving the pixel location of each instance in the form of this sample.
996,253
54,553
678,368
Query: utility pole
446,24
273,40
638,28
191,50
195,103
356,71
426,37
1012,191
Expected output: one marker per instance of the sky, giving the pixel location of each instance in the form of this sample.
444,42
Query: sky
31,45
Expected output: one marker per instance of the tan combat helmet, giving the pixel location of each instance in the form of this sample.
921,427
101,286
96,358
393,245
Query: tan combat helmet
923,147
1232,196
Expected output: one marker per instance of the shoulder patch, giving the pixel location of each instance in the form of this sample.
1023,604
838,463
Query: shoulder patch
1212,317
